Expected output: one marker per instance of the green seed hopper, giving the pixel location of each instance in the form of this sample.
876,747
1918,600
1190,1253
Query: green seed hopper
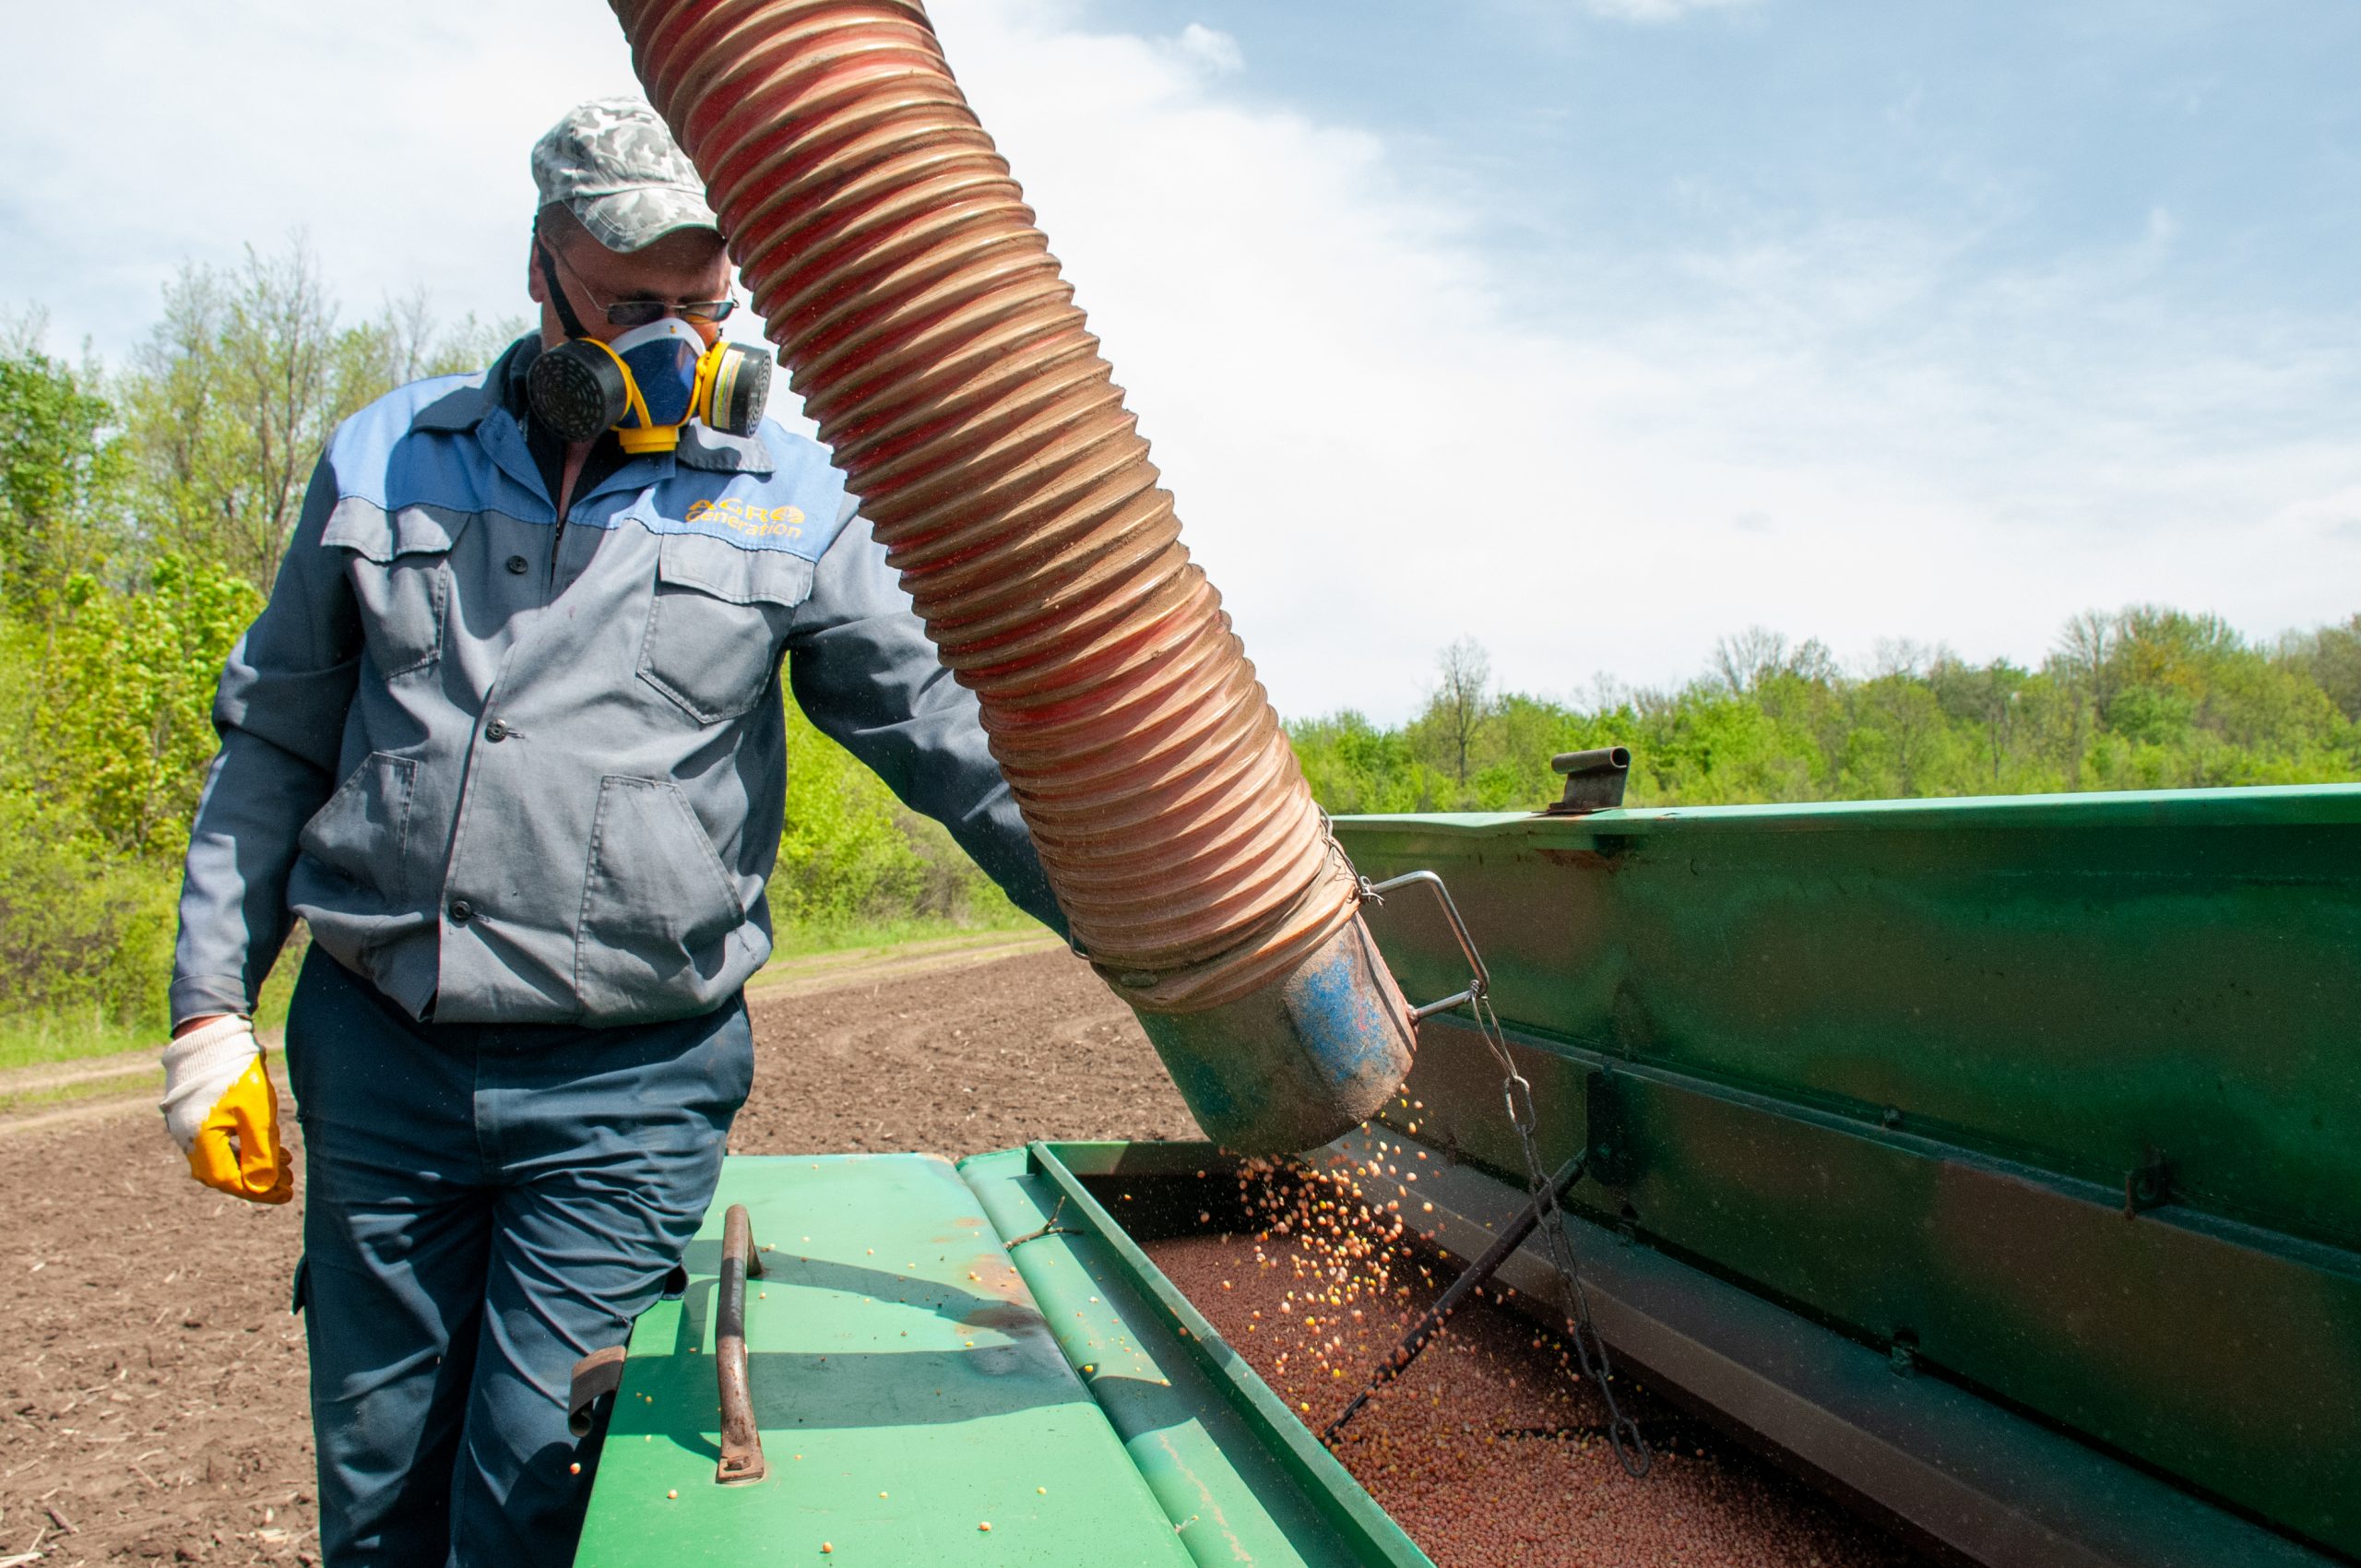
964,1365
1997,1162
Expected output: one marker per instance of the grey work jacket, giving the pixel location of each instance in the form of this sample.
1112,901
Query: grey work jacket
510,771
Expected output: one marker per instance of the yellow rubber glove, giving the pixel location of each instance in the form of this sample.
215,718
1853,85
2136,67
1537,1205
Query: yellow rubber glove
223,1111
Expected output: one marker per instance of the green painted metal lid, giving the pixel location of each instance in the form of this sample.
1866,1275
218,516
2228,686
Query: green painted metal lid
908,1391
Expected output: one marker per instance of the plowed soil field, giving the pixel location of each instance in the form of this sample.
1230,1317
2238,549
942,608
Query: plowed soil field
152,1403
152,1398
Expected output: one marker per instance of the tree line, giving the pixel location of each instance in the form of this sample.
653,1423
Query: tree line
2144,698
144,509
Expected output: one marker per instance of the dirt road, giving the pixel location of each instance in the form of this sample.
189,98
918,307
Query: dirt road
152,1381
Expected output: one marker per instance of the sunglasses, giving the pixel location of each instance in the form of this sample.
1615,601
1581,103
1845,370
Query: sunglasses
646,313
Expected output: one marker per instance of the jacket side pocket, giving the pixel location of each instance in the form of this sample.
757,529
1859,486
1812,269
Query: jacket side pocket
362,833
657,906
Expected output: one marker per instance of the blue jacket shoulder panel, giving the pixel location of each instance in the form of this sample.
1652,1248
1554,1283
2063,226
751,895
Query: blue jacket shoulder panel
797,505
411,448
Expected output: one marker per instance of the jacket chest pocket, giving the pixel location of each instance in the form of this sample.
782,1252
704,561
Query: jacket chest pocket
718,623
401,578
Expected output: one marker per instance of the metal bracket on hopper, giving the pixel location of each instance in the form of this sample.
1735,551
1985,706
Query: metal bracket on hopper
1479,984
1593,778
1613,1160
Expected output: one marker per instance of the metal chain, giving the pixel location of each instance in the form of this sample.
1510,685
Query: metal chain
1631,1448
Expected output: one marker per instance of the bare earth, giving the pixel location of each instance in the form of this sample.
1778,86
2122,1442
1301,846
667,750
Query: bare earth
152,1397
152,1389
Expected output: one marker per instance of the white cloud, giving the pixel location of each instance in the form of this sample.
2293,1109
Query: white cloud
394,136
1657,10
1379,439
1210,47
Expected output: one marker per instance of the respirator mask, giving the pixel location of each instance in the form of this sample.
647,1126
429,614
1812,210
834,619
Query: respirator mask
645,384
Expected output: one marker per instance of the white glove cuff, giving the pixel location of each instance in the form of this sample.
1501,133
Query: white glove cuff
199,1067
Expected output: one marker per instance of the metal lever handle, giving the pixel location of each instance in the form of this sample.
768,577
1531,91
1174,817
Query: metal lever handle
1480,980
741,1439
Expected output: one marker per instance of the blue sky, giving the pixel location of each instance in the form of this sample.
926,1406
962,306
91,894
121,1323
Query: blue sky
1594,331
1595,128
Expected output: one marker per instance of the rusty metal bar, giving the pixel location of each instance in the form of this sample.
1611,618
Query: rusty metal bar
741,1439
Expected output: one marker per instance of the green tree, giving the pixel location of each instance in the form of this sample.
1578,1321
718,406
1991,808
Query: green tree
2331,656
235,392
128,727
2144,698
61,473
1457,710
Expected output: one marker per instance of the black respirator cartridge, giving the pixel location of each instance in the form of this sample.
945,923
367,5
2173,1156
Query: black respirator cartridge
583,386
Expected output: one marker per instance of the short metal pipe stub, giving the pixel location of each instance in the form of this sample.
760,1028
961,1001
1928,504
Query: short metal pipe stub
1299,1062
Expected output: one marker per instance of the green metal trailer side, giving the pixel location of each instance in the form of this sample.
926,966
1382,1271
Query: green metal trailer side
2056,1099
1994,1161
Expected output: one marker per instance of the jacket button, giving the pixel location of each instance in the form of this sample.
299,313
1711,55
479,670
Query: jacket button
518,565
461,911
496,730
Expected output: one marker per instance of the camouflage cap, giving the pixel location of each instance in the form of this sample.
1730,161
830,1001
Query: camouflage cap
615,166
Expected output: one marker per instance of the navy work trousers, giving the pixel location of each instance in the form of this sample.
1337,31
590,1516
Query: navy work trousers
483,1204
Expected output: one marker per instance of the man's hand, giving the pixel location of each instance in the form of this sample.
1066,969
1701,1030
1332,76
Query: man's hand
223,1111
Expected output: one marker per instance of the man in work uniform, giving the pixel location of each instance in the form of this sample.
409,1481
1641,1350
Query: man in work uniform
509,738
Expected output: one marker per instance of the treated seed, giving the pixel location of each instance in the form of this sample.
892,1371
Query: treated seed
986,1526
672,1494
574,1469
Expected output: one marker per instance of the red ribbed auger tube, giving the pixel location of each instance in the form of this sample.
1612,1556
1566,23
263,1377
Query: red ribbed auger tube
934,340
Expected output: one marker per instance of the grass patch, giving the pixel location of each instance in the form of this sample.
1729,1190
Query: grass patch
34,1040
137,1079
805,940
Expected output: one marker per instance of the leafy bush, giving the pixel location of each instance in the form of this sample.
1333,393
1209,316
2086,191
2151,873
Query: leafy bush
86,931
852,855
